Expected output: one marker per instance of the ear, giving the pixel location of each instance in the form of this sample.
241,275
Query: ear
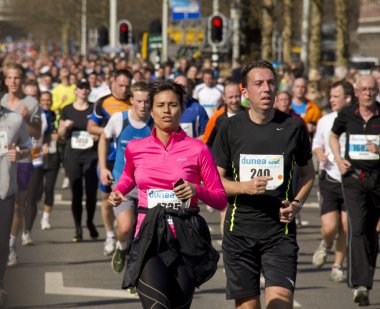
244,92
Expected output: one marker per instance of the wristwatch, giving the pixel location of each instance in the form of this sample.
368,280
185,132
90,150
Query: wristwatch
298,203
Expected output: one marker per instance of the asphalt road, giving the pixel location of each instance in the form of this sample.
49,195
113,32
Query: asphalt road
55,273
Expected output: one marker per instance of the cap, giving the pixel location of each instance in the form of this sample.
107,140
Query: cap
83,83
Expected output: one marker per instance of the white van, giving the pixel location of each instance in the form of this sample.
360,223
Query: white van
363,64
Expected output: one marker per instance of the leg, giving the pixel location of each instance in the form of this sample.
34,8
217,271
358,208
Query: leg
251,303
277,297
91,185
6,214
330,227
340,249
49,188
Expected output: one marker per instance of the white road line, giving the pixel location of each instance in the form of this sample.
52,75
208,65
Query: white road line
54,285
295,303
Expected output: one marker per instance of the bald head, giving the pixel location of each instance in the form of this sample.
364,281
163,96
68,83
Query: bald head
299,88
367,90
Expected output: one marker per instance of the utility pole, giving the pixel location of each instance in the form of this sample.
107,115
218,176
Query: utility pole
305,34
235,17
113,21
83,45
164,34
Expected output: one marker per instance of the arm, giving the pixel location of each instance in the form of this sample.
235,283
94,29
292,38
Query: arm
105,174
127,182
94,128
289,209
319,144
343,164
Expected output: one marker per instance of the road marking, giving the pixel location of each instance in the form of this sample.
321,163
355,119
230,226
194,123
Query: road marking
54,285
295,303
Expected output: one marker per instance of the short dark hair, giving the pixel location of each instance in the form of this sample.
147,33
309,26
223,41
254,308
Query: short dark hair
261,64
348,88
164,85
122,72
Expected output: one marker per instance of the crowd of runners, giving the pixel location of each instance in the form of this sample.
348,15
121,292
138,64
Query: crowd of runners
158,140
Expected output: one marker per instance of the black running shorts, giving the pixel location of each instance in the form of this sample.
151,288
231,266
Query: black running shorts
245,258
330,194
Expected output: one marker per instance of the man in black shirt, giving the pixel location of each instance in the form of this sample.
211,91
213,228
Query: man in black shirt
255,153
360,169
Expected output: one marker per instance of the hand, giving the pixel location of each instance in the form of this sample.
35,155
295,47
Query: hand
322,158
288,212
45,149
105,176
24,112
68,123
95,137
343,166
372,147
185,191
116,198
13,154
256,186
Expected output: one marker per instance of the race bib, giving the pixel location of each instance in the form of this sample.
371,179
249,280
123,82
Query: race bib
3,143
165,198
357,147
81,140
262,165
188,128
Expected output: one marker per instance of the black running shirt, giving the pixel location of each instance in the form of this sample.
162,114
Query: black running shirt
246,149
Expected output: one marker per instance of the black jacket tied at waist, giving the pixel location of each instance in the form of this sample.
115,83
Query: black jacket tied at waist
192,246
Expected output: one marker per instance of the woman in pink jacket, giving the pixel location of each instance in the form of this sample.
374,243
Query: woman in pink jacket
171,251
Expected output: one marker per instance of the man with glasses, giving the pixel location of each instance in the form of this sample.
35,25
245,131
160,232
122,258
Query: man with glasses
360,169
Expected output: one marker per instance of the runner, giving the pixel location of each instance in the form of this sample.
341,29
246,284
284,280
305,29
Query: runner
333,210
171,252
124,127
15,144
80,158
255,153
117,101
360,168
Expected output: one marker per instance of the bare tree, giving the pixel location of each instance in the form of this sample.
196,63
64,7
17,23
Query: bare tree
342,34
287,31
315,34
267,30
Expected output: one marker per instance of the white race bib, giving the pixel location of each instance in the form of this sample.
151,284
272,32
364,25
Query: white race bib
165,198
3,143
262,165
81,140
357,147
188,128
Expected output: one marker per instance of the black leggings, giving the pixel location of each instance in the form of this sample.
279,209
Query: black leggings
48,186
163,287
76,170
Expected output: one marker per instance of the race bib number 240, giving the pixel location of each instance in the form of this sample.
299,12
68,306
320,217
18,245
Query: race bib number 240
251,166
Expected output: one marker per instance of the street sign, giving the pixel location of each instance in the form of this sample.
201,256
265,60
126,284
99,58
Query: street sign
185,9
155,41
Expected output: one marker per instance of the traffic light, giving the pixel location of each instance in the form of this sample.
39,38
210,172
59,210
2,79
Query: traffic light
216,29
124,33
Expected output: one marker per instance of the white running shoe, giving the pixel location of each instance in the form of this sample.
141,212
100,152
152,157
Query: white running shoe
45,224
65,183
337,274
361,296
320,255
109,246
26,239
12,257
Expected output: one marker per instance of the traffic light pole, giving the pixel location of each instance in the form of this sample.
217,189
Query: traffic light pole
83,45
214,48
164,56
113,21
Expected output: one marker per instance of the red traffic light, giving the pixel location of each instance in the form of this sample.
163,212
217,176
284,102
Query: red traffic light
217,22
124,28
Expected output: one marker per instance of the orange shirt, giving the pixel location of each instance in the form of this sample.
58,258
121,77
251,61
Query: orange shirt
211,123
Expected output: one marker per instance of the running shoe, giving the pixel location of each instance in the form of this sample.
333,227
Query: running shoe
320,255
118,260
65,183
12,257
337,274
92,229
361,296
45,224
78,237
26,239
109,246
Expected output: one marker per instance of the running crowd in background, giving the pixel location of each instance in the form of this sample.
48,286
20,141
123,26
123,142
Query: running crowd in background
81,113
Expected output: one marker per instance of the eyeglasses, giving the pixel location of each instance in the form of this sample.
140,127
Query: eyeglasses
370,90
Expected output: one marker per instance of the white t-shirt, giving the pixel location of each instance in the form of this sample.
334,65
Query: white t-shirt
115,124
209,97
322,140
